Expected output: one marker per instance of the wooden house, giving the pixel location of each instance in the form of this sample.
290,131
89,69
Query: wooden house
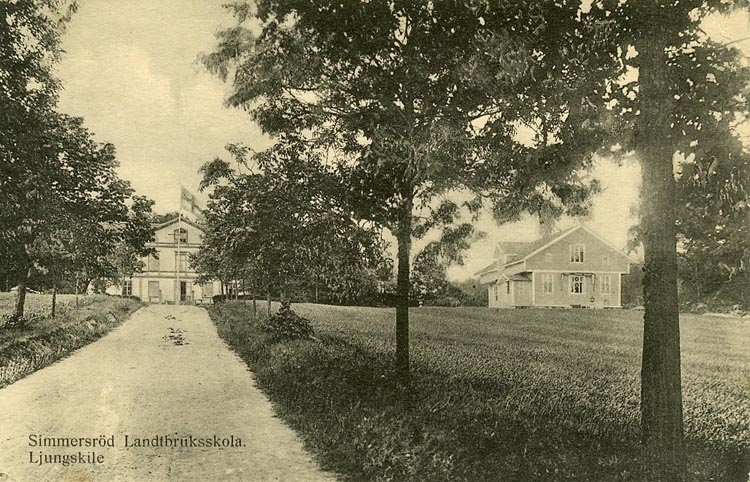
572,268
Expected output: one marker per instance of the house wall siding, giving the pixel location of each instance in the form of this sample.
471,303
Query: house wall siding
594,250
165,234
561,295
503,298
522,292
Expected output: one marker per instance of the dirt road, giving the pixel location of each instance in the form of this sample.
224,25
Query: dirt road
166,382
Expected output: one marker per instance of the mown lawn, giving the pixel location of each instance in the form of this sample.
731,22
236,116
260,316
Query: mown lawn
497,395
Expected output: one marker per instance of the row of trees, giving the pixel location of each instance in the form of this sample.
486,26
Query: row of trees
279,220
64,213
416,100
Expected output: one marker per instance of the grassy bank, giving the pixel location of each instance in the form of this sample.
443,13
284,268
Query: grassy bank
43,340
509,395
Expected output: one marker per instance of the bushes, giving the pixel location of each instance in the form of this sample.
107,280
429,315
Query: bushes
288,325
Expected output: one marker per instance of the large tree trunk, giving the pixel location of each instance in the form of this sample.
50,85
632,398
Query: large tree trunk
661,392
402,290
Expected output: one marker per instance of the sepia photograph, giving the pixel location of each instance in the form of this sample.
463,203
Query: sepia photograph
374,240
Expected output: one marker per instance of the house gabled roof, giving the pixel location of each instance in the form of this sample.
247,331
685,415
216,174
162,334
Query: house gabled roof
526,250
175,220
544,243
523,249
513,247
515,277
494,266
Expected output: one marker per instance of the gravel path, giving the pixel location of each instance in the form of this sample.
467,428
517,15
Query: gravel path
164,372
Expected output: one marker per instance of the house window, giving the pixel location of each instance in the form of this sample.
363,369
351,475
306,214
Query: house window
548,258
576,284
207,290
183,265
127,288
497,292
153,262
180,236
507,287
605,283
153,289
547,283
576,253
605,260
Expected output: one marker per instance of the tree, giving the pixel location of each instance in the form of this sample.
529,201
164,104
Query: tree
61,202
30,34
688,89
418,99
714,215
279,221
75,211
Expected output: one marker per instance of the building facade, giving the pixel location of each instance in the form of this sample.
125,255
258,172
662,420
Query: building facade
167,276
574,268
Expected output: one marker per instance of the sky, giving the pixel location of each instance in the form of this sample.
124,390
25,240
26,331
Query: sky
131,71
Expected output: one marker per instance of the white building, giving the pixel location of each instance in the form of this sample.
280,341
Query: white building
167,275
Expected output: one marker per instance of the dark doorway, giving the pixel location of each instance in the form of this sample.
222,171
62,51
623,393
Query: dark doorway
183,291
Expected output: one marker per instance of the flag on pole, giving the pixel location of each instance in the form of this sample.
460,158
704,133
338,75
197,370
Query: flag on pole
188,203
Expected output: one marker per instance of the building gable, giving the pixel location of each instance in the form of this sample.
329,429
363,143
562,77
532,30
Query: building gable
578,250
165,233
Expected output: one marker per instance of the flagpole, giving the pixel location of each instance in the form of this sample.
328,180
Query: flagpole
178,260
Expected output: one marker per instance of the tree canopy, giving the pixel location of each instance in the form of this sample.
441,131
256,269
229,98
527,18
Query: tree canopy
277,220
509,101
416,99
62,205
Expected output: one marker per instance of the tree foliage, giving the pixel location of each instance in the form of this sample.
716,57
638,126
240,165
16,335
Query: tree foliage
688,96
62,205
417,99
278,219
420,98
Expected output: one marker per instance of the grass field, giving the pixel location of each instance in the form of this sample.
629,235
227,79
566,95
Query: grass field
497,395
40,304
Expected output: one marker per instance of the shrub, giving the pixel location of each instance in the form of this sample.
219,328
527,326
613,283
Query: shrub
13,321
288,325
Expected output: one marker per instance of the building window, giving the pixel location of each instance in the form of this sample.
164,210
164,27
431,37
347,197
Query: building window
127,288
548,258
153,289
183,264
548,283
605,260
576,253
605,283
576,284
207,290
153,262
180,236
507,287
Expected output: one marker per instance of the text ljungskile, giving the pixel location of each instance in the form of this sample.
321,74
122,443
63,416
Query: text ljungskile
91,450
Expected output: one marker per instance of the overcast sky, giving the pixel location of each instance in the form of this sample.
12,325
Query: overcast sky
130,70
